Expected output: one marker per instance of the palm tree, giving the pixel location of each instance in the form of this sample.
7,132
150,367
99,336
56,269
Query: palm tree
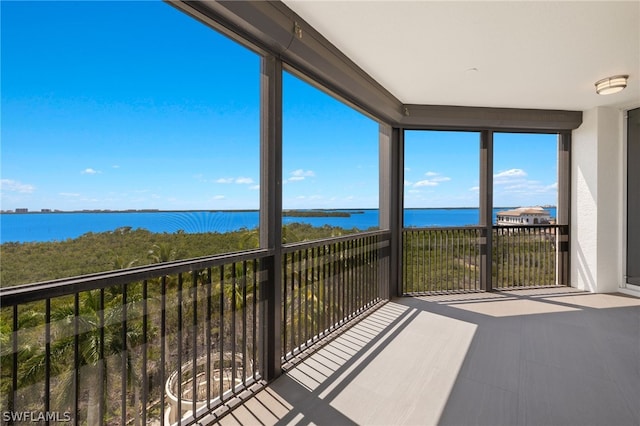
120,263
250,239
28,322
100,337
163,252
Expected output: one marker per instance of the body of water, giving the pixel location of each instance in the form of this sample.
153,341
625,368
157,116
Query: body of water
29,227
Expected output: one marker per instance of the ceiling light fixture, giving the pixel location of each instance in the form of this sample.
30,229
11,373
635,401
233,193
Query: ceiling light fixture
610,85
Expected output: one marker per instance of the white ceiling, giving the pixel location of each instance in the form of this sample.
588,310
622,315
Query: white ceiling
515,54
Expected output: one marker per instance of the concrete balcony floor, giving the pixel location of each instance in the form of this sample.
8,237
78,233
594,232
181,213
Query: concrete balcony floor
528,357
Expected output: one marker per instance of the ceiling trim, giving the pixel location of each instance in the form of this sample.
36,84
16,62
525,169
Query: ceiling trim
277,30
513,119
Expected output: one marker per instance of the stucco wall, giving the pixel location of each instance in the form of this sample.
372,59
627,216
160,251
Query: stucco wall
596,201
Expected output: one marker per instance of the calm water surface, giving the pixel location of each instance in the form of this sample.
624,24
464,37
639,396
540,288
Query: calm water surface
61,226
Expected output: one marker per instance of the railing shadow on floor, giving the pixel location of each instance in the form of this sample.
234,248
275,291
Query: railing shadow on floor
514,357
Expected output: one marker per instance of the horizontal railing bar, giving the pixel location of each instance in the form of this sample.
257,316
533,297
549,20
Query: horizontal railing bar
292,247
10,296
441,228
449,228
532,226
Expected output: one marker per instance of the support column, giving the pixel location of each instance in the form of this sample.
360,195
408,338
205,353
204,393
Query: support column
391,201
597,201
271,215
486,209
563,211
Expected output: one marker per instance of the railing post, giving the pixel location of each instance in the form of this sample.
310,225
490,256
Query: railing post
271,214
486,210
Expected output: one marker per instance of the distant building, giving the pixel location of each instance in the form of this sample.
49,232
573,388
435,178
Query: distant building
22,210
45,210
524,216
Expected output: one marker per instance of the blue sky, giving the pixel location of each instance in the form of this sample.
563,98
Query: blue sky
442,169
134,105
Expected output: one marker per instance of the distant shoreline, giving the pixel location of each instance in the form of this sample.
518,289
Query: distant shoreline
45,226
286,212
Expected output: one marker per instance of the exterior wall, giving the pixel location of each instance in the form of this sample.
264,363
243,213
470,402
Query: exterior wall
525,219
597,201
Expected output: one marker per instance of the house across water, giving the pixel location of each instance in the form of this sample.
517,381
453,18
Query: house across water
524,216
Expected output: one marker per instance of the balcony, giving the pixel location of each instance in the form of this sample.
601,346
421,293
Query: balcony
475,325
194,341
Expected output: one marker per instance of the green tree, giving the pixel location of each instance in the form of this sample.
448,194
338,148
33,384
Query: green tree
93,350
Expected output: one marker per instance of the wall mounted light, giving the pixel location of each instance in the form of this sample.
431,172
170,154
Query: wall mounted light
610,85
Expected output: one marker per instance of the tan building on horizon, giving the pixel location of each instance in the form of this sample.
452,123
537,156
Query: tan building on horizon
524,216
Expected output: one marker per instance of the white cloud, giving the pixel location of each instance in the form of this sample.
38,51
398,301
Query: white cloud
68,194
244,180
511,173
219,197
508,176
528,186
90,171
254,187
518,186
441,179
407,183
239,180
513,185
544,189
437,177
305,173
300,174
115,166
525,188
474,188
16,186
425,182
434,180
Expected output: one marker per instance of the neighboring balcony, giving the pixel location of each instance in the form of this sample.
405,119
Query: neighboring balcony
187,341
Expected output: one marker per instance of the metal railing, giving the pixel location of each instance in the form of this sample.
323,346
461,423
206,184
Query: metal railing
172,342
153,344
525,256
441,260
326,283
